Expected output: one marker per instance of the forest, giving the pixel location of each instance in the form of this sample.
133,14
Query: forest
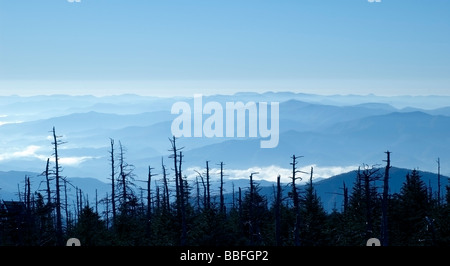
174,212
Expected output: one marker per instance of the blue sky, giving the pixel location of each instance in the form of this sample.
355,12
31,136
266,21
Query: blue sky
174,47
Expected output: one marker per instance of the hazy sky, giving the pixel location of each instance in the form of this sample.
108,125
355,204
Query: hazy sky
173,47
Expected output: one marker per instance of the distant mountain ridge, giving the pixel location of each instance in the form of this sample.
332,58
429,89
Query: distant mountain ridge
328,131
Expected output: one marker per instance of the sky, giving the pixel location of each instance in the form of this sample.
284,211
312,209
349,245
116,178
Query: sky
183,47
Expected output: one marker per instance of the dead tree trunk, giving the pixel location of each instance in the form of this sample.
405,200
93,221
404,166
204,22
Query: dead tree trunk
439,183
385,203
208,190
296,201
174,156
278,213
123,178
179,184
47,179
149,204
198,193
66,207
59,230
345,192
113,182
183,204
166,200
222,204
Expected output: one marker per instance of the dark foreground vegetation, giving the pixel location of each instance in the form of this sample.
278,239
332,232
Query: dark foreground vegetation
169,211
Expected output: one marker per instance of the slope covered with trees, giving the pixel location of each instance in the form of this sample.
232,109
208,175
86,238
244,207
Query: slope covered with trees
167,210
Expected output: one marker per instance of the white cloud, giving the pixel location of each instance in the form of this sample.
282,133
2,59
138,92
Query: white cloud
9,122
32,152
74,161
28,152
270,173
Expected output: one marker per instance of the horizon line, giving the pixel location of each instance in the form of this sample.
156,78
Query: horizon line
230,93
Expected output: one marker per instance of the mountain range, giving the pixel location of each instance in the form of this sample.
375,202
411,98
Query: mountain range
333,133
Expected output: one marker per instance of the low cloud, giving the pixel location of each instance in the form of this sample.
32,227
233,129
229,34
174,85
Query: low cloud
270,173
35,152
74,161
27,152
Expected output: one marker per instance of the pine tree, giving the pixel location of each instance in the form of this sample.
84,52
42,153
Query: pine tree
411,211
313,217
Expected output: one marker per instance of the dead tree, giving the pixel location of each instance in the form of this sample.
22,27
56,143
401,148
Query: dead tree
222,204
369,176
122,174
78,203
174,155
439,182
208,188
205,199
113,181
59,230
197,184
47,179
149,203
126,178
296,201
278,213
179,184
385,202
166,200
183,201
345,194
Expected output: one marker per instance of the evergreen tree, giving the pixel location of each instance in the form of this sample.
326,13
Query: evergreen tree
364,208
255,215
91,229
411,212
313,214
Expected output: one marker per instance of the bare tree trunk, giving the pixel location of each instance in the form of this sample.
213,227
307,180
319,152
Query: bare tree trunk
222,205
149,203
113,182
208,190
385,203
47,179
123,178
66,208
182,203
345,192
233,200
59,230
166,200
96,201
174,156
158,200
278,213
107,210
296,201
28,194
241,224
439,182
81,199
369,222
78,204
198,192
